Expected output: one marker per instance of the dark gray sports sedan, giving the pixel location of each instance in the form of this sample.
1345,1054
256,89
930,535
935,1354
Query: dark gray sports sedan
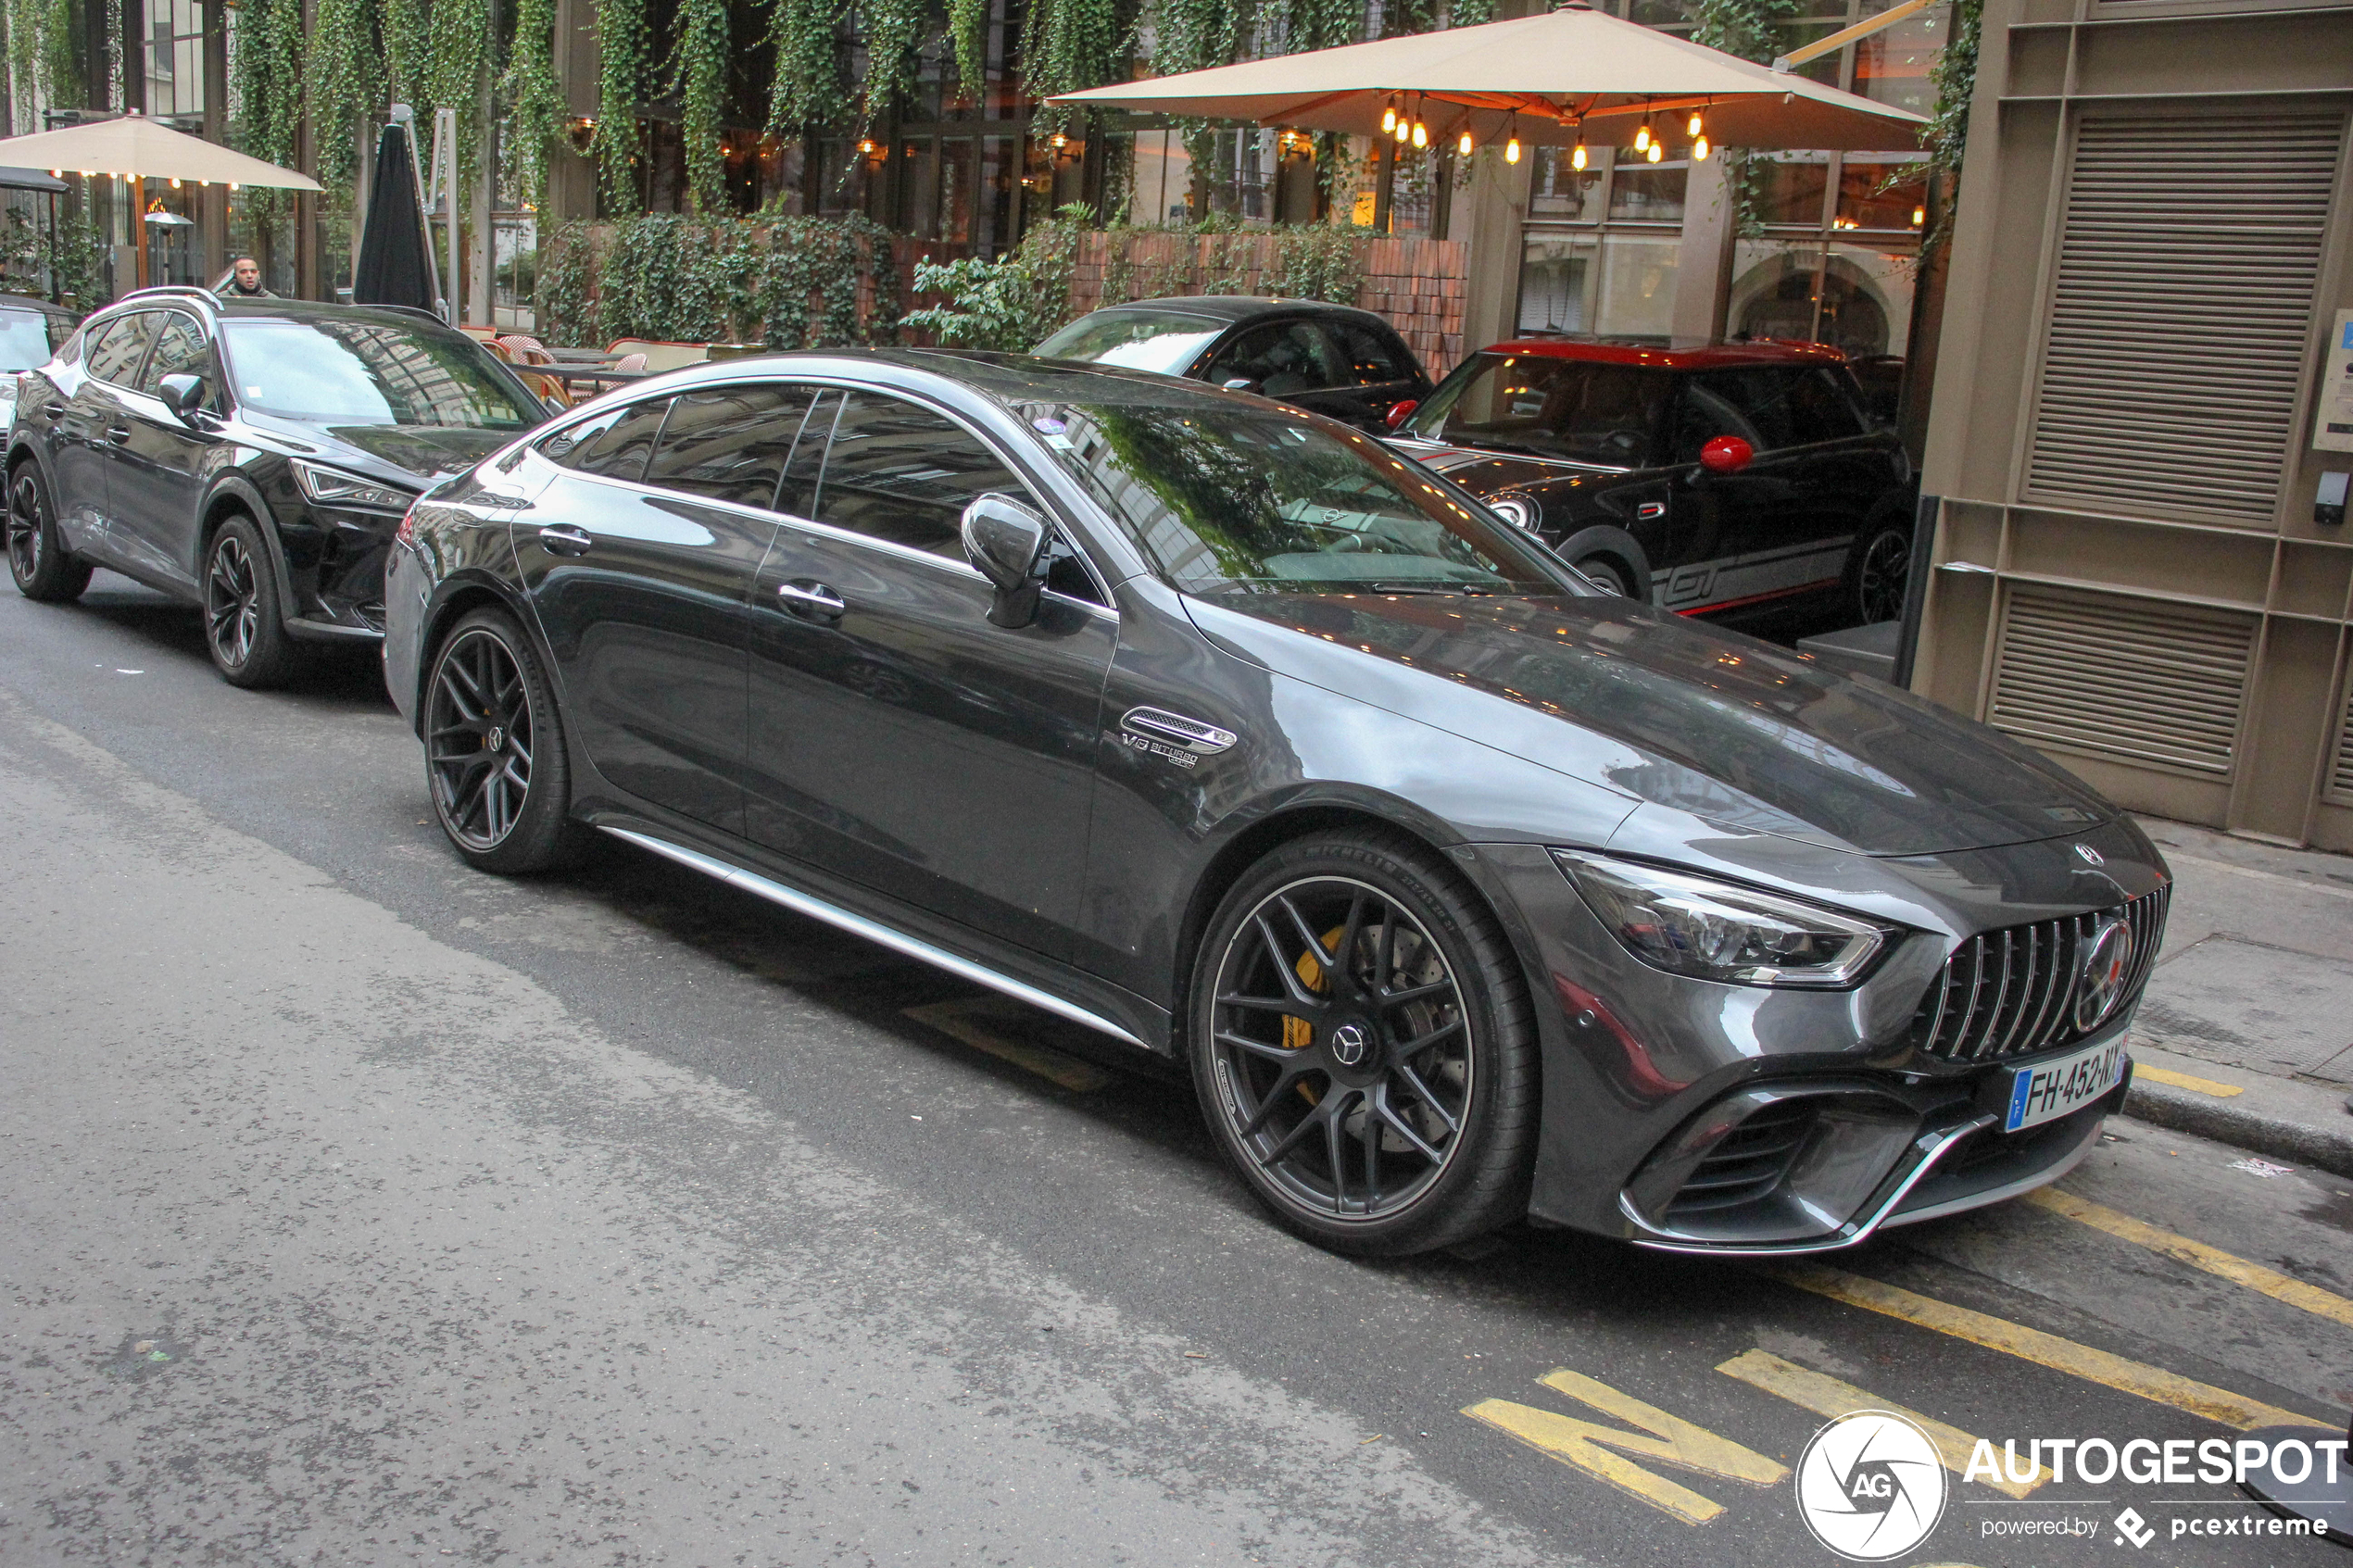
1465,892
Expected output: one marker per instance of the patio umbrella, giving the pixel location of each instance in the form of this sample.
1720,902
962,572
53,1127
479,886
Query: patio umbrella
1568,76
135,148
395,263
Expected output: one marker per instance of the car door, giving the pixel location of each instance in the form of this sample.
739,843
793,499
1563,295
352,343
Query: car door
1382,373
897,739
1738,538
155,484
638,558
83,456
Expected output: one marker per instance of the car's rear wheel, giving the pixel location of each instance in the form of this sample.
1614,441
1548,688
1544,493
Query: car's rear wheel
1365,1048
38,560
1608,574
494,749
245,631
1879,573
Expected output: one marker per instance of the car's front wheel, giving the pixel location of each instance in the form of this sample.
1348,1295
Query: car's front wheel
1607,575
1364,1048
1881,571
37,557
494,749
244,628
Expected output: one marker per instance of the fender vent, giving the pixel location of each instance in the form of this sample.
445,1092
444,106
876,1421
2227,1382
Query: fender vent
1748,1161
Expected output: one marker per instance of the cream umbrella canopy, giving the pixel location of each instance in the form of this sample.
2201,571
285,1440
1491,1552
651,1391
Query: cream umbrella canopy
135,148
1571,75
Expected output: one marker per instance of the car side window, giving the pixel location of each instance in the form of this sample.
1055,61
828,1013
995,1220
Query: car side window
115,357
1281,360
730,443
1820,407
1751,404
798,495
180,350
615,444
1372,358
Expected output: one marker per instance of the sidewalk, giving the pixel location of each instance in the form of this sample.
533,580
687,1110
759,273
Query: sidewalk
2245,1032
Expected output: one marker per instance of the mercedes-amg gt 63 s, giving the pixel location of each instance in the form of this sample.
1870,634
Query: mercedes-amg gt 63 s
1464,891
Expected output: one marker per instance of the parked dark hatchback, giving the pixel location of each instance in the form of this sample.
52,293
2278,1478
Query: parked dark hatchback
250,457
1332,359
1701,481
1465,890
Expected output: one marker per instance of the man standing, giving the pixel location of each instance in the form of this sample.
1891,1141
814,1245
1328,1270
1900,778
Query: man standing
245,280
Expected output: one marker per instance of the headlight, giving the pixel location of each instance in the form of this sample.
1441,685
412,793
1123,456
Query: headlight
334,488
1518,510
1712,930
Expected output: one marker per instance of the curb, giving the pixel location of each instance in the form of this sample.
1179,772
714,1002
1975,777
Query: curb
2324,1149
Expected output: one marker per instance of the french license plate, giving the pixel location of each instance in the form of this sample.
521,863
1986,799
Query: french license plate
2051,1089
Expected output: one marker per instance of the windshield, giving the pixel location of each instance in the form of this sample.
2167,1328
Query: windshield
1578,409
30,337
1247,500
355,372
1161,341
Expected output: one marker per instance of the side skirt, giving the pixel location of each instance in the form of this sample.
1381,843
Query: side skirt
874,931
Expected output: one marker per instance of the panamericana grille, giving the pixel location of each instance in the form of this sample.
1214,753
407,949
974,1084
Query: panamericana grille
1748,1162
2012,991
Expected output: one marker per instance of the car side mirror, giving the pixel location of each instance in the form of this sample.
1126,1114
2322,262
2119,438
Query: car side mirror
1006,542
1240,384
1400,413
1727,454
183,395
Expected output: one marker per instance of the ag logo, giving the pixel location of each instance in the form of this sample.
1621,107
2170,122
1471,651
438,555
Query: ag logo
1870,1487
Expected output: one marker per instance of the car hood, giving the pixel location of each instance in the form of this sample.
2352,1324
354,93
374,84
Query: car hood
409,455
1726,728
1483,474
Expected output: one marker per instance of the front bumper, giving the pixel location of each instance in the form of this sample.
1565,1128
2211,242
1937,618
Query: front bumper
1658,1088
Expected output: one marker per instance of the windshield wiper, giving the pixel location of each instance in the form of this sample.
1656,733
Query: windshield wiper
1469,588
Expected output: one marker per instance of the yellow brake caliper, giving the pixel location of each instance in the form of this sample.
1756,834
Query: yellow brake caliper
1298,1034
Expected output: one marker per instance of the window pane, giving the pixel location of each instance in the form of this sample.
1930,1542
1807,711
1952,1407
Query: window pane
1581,409
1790,187
1638,287
372,373
24,339
1882,195
1653,192
1891,66
730,443
1372,357
614,443
1553,273
905,474
798,495
116,359
1751,404
1773,286
1820,408
181,349
1280,359
1561,194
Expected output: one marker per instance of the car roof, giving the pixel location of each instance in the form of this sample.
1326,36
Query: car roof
1238,306
1008,378
278,309
30,302
1705,357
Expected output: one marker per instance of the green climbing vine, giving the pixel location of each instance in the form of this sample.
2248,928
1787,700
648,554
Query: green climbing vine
1953,75
624,43
535,99
1072,45
1750,28
406,51
457,49
699,77
341,46
808,90
789,283
266,85
42,64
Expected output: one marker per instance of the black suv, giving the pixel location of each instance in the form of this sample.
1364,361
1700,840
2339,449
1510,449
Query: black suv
250,457
1331,359
1701,480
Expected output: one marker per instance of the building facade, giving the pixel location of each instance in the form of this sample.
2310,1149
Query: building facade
2141,407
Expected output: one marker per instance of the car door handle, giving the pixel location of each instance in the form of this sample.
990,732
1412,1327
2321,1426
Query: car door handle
562,540
811,601
55,410
118,434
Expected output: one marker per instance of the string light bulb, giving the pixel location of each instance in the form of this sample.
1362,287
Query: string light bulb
1465,145
1655,152
1577,155
1387,118
1698,126
1643,138
1421,134
1919,216
1511,150
1405,131
1699,148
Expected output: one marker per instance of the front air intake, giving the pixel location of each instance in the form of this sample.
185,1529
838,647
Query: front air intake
1748,1162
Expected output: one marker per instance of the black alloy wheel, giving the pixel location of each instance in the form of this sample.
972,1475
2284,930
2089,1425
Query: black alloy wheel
1882,570
1606,574
1364,1047
494,749
37,558
244,629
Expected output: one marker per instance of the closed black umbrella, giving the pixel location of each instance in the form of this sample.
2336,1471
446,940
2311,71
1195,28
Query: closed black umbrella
394,264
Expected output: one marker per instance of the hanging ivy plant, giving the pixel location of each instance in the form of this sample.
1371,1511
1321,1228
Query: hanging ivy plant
808,89
623,41
1750,28
41,67
968,31
265,86
406,50
534,100
1953,75
341,47
893,29
457,45
699,77
563,311
1071,44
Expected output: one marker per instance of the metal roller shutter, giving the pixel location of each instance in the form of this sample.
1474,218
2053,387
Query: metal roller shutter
2158,685
2341,775
2180,313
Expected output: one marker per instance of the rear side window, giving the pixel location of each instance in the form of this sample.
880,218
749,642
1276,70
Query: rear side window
1820,407
1769,407
115,356
180,350
615,444
905,474
1372,356
730,443
1584,410
1280,359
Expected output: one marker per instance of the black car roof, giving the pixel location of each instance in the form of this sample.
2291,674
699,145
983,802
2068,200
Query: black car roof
1240,306
1009,377
30,302
279,309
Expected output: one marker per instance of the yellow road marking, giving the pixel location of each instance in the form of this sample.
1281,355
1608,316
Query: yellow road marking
2172,1079
2198,1255
963,1019
1828,1395
1586,1444
2048,1350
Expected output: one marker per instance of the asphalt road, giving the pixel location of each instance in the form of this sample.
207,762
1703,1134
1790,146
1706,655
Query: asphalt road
358,1207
